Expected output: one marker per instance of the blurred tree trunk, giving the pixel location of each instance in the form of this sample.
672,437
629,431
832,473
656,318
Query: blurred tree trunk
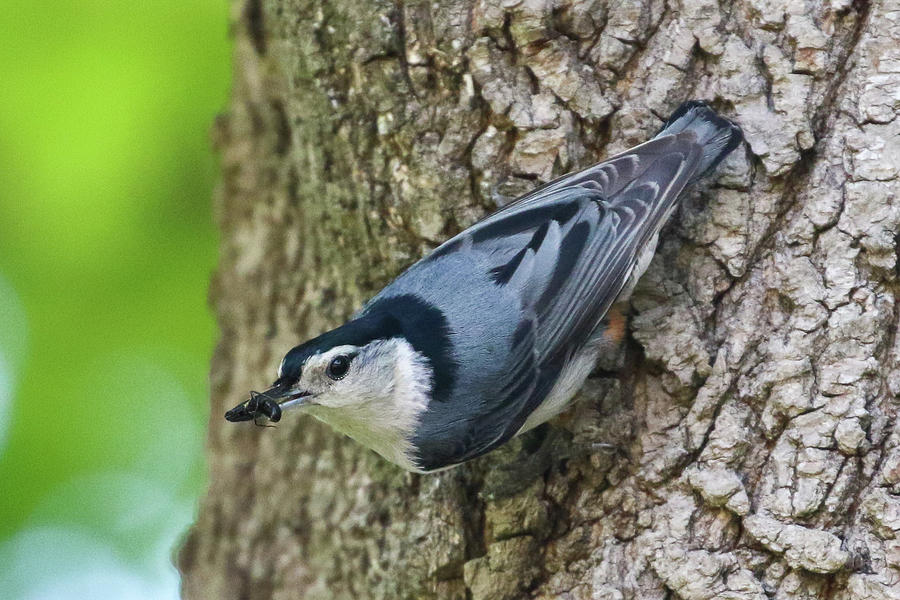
754,408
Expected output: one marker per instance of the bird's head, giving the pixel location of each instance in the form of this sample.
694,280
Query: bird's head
365,379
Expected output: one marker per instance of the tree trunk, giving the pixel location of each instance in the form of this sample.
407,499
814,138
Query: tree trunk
752,413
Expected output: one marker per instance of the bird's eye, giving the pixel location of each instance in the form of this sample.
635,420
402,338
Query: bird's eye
338,367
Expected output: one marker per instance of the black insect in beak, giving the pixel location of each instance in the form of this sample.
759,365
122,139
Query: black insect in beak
265,407
260,408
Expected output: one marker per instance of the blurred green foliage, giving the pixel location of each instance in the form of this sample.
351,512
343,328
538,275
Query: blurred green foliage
107,243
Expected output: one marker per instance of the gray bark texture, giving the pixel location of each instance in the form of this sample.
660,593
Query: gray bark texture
752,412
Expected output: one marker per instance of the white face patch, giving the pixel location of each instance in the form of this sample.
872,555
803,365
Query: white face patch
380,399
348,388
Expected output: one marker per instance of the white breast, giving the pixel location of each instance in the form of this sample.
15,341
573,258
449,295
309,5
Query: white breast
568,384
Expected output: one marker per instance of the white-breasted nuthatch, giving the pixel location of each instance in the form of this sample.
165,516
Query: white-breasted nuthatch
494,332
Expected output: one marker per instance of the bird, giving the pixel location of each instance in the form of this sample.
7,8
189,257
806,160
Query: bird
495,331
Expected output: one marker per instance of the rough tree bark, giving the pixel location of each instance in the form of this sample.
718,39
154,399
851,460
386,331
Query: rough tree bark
754,407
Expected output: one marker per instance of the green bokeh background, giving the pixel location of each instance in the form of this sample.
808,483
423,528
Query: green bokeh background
107,244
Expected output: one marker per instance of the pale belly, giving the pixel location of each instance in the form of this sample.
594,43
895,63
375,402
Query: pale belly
570,381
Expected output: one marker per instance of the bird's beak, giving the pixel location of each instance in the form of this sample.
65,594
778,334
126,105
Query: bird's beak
268,404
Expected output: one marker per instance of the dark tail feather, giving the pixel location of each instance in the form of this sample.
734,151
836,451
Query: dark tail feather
715,133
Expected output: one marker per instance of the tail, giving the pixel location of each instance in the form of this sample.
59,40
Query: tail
715,133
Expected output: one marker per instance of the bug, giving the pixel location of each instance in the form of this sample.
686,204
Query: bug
261,412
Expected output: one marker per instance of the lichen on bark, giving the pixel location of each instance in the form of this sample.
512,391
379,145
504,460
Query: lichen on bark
753,409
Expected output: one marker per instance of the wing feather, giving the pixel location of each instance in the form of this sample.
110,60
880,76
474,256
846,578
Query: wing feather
567,250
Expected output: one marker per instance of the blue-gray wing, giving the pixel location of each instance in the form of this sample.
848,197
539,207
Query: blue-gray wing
567,250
